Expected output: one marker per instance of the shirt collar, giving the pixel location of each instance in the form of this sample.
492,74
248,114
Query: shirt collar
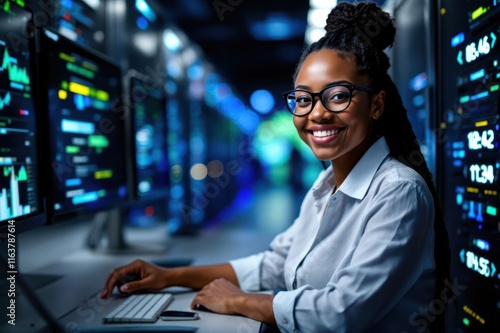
359,179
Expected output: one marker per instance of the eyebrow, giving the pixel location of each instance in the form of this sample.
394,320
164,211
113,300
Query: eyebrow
326,85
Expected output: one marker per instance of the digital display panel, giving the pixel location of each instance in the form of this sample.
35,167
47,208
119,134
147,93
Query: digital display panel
87,131
476,157
483,139
483,173
481,212
479,46
19,178
480,262
470,93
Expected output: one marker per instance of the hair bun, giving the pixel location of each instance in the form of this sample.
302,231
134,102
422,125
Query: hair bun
367,19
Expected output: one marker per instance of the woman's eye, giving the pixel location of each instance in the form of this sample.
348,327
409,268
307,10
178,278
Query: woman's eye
302,100
339,96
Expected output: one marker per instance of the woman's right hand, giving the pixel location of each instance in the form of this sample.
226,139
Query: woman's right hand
148,276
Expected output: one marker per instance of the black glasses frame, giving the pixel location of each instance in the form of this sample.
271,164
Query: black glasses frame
350,87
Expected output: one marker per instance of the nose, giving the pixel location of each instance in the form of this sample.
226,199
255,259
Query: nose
319,113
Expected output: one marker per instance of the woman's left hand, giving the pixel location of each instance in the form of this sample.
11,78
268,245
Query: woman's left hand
218,296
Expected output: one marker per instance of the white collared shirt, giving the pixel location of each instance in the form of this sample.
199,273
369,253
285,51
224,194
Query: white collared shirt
358,260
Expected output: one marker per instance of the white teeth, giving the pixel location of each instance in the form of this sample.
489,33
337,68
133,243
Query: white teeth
321,134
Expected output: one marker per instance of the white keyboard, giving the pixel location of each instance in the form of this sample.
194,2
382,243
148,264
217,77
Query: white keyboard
140,308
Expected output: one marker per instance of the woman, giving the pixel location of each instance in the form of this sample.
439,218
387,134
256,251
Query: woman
369,250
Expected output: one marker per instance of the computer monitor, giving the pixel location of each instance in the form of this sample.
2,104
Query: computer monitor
20,191
22,206
145,102
84,130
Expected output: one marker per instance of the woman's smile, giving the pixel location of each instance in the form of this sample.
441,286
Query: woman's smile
321,135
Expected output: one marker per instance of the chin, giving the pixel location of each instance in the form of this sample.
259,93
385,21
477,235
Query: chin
323,156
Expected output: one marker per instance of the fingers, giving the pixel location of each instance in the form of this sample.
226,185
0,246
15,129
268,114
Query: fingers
197,302
114,278
110,283
217,296
134,286
202,298
198,299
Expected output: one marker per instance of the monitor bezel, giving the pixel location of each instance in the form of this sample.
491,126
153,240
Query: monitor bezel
83,212
130,76
39,218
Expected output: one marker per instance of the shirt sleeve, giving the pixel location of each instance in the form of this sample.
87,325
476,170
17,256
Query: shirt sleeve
391,255
247,271
264,271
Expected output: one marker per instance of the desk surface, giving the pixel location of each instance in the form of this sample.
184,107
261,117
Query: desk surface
59,251
88,316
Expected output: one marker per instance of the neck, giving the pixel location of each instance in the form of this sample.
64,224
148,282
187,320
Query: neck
343,165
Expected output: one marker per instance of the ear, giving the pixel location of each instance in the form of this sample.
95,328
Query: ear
378,104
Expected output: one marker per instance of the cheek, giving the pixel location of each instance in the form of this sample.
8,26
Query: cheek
358,117
298,123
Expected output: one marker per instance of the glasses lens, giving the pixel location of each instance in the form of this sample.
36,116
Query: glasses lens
299,102
336,98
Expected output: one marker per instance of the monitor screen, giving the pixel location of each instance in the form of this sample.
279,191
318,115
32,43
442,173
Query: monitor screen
85,128
149,137
82,21
20,194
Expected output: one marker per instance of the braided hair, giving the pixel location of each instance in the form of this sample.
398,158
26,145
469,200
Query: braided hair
361,31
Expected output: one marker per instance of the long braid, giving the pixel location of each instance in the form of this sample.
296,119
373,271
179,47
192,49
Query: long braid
404,146
352,32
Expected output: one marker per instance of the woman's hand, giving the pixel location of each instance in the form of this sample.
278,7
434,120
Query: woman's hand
222,296
147,276
219,296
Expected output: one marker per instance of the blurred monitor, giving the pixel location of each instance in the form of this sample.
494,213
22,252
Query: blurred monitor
20,192
145,101
148,130
21,197
82,21
85,129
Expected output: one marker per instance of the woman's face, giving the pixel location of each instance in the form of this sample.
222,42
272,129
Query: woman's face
335,136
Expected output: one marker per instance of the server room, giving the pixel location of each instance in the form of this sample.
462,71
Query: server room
237,166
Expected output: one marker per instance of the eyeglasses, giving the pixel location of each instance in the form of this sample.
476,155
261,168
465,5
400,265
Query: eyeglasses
335,98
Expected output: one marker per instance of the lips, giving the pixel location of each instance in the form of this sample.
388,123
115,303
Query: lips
322,136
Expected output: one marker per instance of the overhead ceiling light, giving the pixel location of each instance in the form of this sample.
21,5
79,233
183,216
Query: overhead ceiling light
143,7
94,4
276,26
322,3
171,40
146,42
316,19
313,34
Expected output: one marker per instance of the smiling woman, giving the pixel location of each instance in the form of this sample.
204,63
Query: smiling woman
369,251
325,127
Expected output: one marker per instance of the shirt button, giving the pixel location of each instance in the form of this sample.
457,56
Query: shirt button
284,321
334,198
